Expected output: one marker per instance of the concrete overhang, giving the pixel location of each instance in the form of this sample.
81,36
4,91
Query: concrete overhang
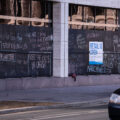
99,3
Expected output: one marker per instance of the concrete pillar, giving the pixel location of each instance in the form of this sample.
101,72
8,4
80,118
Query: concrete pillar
60,41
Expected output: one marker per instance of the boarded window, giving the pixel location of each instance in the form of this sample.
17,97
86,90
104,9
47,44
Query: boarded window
93,18
26,12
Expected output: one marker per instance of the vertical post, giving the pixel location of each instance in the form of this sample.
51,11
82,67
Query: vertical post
116,19
49,10
60,41
105,18
15,13
30,11
82,16
119,19
94,16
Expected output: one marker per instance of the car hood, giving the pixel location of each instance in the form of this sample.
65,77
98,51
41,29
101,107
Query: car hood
117,91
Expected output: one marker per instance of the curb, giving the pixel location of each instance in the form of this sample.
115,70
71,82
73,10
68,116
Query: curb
98,102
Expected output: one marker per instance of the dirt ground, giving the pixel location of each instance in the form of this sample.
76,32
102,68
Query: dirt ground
18,104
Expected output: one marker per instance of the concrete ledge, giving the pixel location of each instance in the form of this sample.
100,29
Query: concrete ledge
100,3
54,82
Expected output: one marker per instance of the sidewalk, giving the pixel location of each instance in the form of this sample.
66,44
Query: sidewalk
71,96
61,95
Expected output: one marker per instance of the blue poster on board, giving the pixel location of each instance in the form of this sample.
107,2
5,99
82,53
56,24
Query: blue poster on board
95,53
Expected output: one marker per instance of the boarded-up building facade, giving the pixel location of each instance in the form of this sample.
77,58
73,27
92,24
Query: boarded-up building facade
58,38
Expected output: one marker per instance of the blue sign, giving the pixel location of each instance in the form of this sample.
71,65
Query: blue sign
95,53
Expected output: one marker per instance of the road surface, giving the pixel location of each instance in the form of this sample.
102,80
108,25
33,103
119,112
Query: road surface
60,114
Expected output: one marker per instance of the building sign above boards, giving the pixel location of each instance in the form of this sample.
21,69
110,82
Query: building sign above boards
95,53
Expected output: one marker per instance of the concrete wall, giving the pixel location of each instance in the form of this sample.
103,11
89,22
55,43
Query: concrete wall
54,82
101,3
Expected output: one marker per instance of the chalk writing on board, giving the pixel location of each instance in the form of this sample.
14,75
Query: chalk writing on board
19,37
38,65
116,43
39,61
7,57
90,35
99,69
77,64
22,62
111,47
81,43
17,44
14,46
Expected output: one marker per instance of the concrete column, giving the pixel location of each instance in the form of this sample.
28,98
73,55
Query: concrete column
60,41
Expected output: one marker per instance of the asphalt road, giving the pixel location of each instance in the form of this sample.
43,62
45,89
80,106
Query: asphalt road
60,114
